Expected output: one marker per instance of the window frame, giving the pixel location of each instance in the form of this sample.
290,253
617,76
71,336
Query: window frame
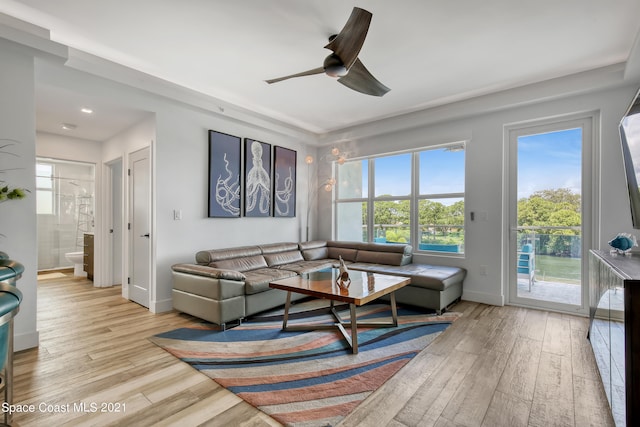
414,196
51,190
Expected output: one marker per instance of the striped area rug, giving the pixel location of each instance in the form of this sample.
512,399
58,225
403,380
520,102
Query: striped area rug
305,378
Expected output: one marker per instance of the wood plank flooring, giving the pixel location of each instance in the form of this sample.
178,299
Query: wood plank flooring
496,366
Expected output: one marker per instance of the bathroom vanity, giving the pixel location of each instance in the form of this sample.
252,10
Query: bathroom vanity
88,255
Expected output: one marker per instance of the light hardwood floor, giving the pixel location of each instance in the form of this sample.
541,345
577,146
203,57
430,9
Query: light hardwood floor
496,366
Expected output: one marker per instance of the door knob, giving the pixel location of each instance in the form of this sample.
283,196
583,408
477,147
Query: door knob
145,235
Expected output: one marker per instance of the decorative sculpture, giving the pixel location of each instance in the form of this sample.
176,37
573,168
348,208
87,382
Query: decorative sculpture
343,279
623,243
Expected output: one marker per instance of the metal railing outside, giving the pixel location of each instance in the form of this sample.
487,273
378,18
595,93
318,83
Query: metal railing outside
558,252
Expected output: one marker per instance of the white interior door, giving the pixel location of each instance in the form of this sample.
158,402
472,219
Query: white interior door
140,227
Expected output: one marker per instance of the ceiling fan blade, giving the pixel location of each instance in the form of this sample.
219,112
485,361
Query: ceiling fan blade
349,41
319,70
361,80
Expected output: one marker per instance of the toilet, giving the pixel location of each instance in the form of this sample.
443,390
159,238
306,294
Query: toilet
77,258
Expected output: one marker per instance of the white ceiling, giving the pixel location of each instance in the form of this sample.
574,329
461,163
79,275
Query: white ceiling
428,52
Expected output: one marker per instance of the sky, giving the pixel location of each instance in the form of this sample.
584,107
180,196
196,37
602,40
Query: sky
442,172
550,161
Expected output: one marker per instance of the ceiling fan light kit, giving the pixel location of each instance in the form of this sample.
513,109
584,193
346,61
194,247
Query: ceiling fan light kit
343,63
333,66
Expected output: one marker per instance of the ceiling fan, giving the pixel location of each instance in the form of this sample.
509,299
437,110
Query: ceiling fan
343,63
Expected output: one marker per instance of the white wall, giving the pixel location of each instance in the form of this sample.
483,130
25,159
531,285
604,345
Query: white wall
68,148
18,218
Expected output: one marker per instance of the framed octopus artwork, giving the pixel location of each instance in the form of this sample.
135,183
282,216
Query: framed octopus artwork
224,175
257,178
284,182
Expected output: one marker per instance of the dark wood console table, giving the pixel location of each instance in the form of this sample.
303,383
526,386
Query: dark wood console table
614,330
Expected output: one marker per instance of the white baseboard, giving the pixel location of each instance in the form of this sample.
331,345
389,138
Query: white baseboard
26,341
161,306
482,297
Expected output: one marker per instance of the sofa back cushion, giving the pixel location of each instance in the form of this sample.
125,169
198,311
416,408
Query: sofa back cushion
274,248
346,253
241,264
314,250
388,258
207,257
382,253
315,254
280,258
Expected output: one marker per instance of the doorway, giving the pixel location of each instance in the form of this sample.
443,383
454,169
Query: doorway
115,221
549,214
65,206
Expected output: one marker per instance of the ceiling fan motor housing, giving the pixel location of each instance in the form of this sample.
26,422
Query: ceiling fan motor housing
334,67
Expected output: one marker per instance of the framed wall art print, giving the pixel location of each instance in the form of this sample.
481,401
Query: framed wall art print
224,175
257,178
284,182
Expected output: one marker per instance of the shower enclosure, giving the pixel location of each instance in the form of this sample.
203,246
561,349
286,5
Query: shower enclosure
65,199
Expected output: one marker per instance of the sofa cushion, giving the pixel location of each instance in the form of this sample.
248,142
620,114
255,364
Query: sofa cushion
258,280
433,277
302,267
385,253
402,248
274,248
203,270
316,253
436,276
207,257
389,258
279,258
241,264
341,249
303,246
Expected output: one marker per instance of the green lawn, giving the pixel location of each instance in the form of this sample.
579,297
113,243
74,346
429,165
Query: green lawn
558,269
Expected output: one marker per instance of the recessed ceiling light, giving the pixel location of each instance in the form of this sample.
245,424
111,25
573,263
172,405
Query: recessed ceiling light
86,110
68,126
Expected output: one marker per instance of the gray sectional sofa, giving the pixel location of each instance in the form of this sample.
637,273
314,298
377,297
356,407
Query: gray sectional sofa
227,285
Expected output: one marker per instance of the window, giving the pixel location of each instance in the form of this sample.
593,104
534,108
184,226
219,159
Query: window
441,199
404,198
44,189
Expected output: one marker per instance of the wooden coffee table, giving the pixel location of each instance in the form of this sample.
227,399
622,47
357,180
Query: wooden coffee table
363,288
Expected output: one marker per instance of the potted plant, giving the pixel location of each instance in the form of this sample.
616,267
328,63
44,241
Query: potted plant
8,192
